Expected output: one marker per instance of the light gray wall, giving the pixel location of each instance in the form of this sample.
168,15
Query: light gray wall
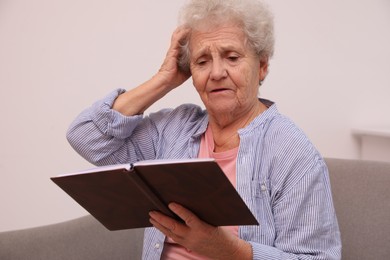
329,74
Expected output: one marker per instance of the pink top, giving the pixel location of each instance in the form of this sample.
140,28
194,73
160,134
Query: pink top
227,161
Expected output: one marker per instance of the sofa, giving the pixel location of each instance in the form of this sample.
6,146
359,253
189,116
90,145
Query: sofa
361,192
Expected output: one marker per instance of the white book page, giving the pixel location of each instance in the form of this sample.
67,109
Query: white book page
172,161
126,166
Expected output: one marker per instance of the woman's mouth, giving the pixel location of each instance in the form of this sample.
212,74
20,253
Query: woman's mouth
219,90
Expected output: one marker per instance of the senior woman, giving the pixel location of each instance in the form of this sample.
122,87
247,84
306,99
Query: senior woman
225,46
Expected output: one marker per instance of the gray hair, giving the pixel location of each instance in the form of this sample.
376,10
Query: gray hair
253,16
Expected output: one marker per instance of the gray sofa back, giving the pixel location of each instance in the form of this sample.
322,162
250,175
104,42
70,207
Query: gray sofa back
361,195
361,192
83,238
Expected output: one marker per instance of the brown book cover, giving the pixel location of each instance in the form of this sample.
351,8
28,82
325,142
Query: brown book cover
121,196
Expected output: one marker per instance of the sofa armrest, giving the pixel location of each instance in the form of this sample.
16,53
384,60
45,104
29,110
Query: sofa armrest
81,238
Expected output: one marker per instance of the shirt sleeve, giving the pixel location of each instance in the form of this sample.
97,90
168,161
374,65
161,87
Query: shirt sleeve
100,134
305,220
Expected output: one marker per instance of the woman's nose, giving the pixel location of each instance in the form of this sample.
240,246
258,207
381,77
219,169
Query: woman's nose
218,70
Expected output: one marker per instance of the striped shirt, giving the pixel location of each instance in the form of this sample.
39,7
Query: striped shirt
280,175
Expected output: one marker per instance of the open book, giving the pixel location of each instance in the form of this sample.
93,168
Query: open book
121,196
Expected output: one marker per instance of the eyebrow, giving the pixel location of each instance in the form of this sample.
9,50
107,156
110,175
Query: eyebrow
226,48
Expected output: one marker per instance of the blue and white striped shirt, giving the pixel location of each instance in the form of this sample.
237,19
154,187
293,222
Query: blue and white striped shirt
280,175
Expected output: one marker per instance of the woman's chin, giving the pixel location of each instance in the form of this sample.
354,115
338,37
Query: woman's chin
221,109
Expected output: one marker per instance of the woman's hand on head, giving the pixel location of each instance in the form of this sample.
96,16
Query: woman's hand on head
170,73
138,99
200,237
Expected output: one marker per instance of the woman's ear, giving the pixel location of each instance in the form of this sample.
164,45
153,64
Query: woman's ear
263,69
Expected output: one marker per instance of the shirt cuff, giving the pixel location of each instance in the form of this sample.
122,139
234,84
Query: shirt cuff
111,122
260,251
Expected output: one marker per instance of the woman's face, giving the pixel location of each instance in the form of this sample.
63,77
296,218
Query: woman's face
225,70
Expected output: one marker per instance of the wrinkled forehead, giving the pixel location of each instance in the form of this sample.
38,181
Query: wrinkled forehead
225,34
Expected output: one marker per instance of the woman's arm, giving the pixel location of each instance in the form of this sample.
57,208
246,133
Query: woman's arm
304,217
101,133
137,100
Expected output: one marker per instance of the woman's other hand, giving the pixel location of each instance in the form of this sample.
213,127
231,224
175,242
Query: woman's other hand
200,237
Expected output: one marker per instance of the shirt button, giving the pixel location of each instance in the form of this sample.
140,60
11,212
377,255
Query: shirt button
157,246
263,187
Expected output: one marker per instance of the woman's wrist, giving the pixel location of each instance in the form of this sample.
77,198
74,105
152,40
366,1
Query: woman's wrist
135,101
237,249
242,251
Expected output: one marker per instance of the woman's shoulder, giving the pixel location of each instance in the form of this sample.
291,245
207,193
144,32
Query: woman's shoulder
278,124
181,112
185,115
289,147
283,133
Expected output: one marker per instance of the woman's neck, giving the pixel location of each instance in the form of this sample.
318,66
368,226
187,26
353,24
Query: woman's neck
225,128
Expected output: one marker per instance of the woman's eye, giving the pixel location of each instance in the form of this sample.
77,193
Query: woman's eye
233,58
